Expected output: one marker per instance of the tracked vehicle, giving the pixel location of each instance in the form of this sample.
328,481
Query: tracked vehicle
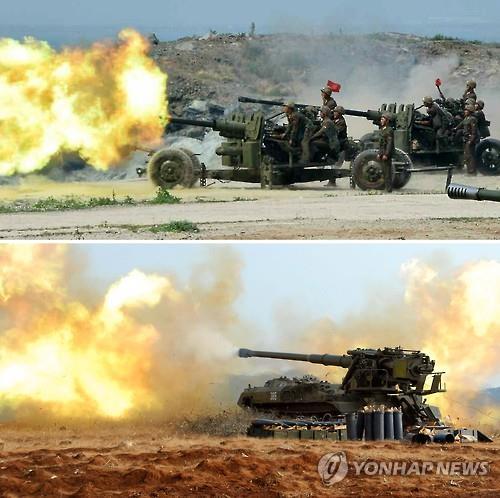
393,377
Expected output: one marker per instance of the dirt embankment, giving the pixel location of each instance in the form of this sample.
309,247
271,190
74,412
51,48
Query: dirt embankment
219,68
150,462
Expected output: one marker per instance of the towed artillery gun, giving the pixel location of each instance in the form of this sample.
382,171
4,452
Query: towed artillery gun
251,152
393,377
417,147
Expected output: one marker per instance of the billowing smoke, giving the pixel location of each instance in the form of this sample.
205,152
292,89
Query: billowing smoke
157,345
147,345
101,102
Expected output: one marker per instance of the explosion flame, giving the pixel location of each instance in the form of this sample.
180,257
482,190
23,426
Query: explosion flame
149,345
100,102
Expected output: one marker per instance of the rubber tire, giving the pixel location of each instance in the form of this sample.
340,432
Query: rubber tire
190,183
480,149
185,168
401,179
357,171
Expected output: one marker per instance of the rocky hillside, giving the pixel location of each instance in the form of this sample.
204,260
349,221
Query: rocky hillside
216,69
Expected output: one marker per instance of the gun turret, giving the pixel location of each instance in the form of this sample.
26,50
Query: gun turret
328,360
457,191
389,370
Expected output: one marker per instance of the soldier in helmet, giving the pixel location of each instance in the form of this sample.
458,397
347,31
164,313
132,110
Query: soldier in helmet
295,133
328,100
470,133
435,119
386,150
470,91
482,123
340,125
325,140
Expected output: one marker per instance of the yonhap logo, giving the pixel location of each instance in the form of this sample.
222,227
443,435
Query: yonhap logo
333,468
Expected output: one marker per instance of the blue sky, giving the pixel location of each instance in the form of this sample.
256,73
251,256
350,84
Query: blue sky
321,279
173,18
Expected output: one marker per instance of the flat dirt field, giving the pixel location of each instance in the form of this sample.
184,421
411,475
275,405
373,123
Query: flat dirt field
241,211
147,462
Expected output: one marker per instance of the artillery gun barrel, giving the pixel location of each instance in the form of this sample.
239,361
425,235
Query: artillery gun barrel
193,122
457,191
329,360
371,115
226,127
275,103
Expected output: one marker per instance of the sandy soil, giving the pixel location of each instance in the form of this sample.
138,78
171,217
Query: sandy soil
148,462
229,211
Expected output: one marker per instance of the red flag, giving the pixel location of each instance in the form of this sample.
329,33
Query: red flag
335,87
439,82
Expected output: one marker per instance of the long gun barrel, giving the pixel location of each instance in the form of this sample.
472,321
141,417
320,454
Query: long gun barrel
457,191
371,115
225,127
343,361
274,103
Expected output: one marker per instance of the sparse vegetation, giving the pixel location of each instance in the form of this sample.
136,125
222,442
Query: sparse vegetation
175,227
64,204
163,196
441,37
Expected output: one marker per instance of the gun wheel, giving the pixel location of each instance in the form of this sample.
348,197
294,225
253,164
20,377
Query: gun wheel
191,182
488,157
171,167
367,171
403,175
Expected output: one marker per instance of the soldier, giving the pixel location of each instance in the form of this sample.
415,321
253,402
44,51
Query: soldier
435,119
386,150
296,130
470,91
482,123
471,138
325,140
340,125
328,100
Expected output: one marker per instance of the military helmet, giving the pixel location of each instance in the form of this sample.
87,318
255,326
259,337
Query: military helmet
326,110
327,91
428,100
470,102
470,108
290,105
471,84
387,115
339,109
480,104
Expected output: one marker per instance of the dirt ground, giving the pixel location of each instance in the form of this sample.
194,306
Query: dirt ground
148,462
239,211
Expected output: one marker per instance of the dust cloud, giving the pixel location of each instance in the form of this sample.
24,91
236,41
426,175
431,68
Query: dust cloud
163,346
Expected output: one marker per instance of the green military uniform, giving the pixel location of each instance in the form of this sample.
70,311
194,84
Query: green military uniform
328,100
341,127
325,140
331,104
387,148
470,91
298,133
471,139
482,123
295,131
469,94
